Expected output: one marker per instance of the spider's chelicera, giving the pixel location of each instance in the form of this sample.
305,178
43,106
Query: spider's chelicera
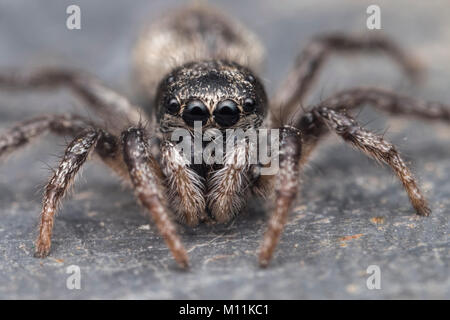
198,70
210,147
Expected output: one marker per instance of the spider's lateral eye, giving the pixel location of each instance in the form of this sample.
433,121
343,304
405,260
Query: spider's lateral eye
173,106
250,78
249,105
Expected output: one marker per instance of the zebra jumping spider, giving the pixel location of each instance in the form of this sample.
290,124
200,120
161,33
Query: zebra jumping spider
196,64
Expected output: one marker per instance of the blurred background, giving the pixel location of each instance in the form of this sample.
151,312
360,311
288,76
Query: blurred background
100,227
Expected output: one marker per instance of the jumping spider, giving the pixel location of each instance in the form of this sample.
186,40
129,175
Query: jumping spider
195,64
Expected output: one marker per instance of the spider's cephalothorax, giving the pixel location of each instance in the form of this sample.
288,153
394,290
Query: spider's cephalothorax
196,65
218,93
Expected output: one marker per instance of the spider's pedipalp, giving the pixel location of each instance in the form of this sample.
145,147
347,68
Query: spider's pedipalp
306,69
186,188
227,186
146,177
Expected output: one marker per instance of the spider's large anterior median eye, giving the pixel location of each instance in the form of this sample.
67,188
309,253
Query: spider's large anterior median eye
173,106
226,113
195,110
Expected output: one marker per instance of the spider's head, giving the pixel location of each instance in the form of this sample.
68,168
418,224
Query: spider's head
217,93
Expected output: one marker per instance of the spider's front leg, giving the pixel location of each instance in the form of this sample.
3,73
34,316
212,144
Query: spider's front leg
286,187
87,140
77,152
146,177
308,64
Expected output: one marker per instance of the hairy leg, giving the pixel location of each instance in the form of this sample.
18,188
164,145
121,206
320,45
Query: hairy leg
24,132
311,59
108,104
321,118
388,101
146,177
186,186
286,188
75,156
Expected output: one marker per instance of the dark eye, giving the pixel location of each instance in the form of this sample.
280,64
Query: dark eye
173,106
195,110
226,113
250,78
249,105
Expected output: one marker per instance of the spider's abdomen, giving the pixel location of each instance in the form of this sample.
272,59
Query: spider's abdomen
190,34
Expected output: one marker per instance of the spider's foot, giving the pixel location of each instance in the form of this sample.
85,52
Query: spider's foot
421,206
423,211
182,259
42,249
265,255
263,261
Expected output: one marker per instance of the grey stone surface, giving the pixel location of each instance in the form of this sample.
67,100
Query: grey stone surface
100,227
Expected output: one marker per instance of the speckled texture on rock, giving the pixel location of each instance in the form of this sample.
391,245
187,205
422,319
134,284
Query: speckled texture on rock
344,194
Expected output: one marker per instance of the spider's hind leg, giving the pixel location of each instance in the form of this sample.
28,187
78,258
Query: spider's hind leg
26,131
110,105
389,102
300,80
